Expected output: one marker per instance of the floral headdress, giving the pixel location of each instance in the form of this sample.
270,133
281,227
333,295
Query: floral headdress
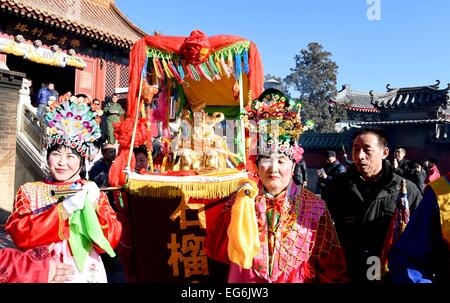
72,122
275,119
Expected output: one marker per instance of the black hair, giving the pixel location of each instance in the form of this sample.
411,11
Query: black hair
416,165
97,143
141,149
379,132
329,154
433,161
82,168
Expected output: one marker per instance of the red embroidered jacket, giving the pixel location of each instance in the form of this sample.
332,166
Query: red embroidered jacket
37,217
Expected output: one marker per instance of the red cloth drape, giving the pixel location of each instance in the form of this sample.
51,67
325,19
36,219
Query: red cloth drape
138,57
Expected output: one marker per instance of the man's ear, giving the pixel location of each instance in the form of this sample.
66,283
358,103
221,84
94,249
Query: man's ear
385,152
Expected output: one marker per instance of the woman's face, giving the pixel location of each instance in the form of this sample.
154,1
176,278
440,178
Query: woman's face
275,172
64,165
141,162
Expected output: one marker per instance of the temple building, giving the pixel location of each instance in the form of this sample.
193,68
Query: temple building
81,46
416,118
358,105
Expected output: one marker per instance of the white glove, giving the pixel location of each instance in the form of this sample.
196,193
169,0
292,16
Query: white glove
93,192
75,202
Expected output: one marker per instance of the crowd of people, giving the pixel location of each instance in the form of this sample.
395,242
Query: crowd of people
113,109
276,230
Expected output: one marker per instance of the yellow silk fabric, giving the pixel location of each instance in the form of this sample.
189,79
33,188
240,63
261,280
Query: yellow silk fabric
441,187
215,93
243,237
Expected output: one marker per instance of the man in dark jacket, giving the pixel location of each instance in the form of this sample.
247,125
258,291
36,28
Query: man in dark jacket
100,170
418,175
401,165
363,200
43,97
300,173
331,170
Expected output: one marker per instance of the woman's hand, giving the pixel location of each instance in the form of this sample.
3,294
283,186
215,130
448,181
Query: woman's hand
60,272
76,201
93,192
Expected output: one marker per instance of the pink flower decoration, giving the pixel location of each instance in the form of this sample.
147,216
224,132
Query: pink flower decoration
69,115
298,152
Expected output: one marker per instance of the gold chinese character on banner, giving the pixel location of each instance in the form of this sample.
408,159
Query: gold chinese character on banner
193,255
175,256
196,263
21,27
180,212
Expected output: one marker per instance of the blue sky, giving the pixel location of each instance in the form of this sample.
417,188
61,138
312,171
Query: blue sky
408,46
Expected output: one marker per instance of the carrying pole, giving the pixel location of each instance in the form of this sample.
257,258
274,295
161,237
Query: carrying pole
136,118
241,121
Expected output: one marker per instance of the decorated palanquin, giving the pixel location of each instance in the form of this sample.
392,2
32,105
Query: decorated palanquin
181,91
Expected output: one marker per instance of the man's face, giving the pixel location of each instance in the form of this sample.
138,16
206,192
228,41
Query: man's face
109,152
51,86
330,160
114,99
93,152
399,154
368,155
95,105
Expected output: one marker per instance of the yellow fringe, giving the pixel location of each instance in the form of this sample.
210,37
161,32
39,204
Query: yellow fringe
201,190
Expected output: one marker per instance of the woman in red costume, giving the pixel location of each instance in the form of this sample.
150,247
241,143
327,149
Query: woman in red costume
77,227
278,232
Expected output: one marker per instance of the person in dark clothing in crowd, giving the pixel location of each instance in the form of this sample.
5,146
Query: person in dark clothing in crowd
401,165
99,174
347,161
43,97
331,170
45,94
418,175
363,200
54,95
300,173
100,170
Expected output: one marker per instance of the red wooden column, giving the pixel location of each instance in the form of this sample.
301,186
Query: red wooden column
100,80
